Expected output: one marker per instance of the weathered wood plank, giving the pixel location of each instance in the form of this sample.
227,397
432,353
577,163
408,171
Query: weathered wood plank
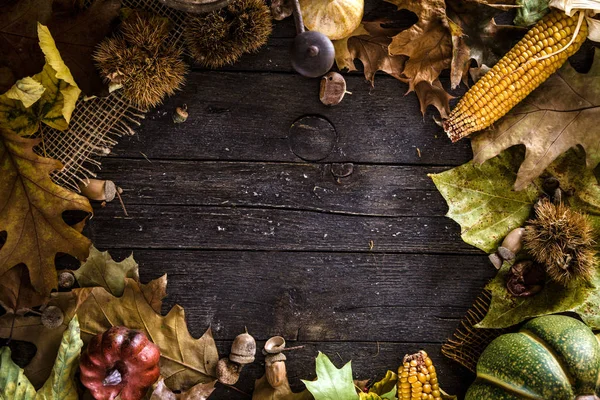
237,228
377,190
369,361
316,296
247,116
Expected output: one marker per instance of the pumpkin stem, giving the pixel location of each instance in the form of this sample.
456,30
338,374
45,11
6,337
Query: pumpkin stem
113,378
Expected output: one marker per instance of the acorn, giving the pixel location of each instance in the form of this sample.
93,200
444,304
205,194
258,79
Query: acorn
274,345
66,280
496,260
52,317
333,89
220,37
562,240
99,190
228,372
512,244
180,115
243,349
275,369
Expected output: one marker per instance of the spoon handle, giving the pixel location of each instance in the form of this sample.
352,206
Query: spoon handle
298,17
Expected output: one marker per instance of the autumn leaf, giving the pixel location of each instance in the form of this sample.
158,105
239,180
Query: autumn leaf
46,340
201,391
562,113
60,385
17,296
507,310
386,388
264,391
332,383
76,33
185,361
48,97
531,11
482,201
101,270
31,208
371,48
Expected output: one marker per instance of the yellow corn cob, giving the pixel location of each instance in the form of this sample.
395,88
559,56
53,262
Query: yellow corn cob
517,74
417,379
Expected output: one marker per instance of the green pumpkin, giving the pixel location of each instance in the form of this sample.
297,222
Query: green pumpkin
551,358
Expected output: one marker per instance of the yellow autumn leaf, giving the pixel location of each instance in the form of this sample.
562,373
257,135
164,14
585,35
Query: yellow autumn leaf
27,91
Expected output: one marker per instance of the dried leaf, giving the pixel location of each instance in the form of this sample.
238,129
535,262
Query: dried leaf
76,34
185,361
506,310
434,95
562,113
60,385
264,391
200,391
48,97
46,340
371,48
17,296
481,199
31,208
101,270
386,388
531,11
332,383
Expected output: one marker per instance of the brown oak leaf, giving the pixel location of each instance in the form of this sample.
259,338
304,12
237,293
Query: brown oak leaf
201,391
31,208
75,32
17,296
562,113
264,391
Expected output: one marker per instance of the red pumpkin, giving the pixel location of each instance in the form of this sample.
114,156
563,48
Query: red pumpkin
119,361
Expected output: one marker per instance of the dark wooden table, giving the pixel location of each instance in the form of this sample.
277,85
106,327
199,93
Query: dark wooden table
335,239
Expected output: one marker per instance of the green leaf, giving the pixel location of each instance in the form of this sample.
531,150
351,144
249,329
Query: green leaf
61,384
14,385
369,396
22,113
530,11
506,310
101,270
387,387
332,383
482,201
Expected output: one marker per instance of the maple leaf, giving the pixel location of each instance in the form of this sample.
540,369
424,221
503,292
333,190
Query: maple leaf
201,391
185,361
17,296
101,270
31,208
76,34
60,385
332,383
562,113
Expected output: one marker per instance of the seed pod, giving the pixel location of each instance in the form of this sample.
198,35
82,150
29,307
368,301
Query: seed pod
274,345
66,280
512,244
333,89
99,190
243,349
180,115
52,317
228,372
525,279
417,378
275,369
496,260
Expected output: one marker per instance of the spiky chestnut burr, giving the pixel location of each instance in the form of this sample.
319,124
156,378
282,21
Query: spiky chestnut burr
221,37
562,240
140,59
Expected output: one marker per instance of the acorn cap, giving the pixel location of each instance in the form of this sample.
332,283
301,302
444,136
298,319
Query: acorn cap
274,345
333,89
273,358
243,349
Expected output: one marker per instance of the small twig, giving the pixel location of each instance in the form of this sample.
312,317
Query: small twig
146,157
376,354
293,348
122,204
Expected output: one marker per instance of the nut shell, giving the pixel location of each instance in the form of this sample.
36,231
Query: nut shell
275,369
243,349
333,89
52,317
274,345
513,242
228,372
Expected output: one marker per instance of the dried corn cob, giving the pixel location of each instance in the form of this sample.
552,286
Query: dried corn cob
417,378
537,56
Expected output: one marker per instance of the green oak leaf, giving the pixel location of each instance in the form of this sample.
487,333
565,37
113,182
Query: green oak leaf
101,270
25,105
506,310
61,384
332,383
482,201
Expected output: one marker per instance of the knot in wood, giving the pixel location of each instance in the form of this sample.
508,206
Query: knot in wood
312,138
